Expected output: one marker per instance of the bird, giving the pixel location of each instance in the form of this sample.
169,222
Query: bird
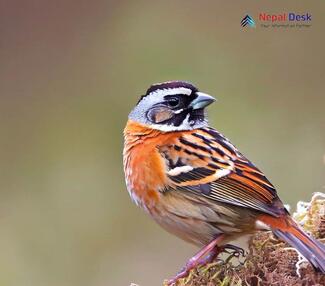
195,183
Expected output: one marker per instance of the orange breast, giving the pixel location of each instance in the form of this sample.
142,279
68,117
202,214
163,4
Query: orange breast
143,165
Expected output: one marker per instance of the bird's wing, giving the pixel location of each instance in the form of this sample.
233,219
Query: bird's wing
205,163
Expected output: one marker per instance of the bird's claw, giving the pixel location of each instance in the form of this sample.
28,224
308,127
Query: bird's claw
237,251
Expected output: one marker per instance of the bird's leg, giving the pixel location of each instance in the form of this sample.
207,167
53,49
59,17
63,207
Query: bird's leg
206,254
211,256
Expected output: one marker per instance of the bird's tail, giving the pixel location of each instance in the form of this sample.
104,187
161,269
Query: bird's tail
286,229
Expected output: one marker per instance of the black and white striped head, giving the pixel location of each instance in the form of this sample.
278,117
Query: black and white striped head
172,105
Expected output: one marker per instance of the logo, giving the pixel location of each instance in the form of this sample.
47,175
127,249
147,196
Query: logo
283,17
278,20
247,21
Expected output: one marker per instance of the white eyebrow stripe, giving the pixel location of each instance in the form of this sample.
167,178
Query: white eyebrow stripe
172,91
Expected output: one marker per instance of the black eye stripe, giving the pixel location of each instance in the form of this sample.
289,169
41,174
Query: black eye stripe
169,96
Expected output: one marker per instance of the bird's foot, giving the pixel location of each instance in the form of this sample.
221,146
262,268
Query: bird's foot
236,250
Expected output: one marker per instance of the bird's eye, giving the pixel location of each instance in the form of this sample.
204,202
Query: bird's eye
173,102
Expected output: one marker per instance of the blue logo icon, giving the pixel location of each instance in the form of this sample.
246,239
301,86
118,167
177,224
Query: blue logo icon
247,21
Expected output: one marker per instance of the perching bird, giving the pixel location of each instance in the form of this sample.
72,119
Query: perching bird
195,183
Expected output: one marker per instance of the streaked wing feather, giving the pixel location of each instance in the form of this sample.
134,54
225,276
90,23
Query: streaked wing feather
219,172
193,175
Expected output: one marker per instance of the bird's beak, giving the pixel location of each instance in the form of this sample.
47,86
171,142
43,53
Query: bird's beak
202,100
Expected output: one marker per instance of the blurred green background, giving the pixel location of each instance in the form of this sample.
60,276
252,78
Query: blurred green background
70,73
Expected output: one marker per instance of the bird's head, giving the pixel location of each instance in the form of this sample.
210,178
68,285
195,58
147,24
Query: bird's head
172,106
